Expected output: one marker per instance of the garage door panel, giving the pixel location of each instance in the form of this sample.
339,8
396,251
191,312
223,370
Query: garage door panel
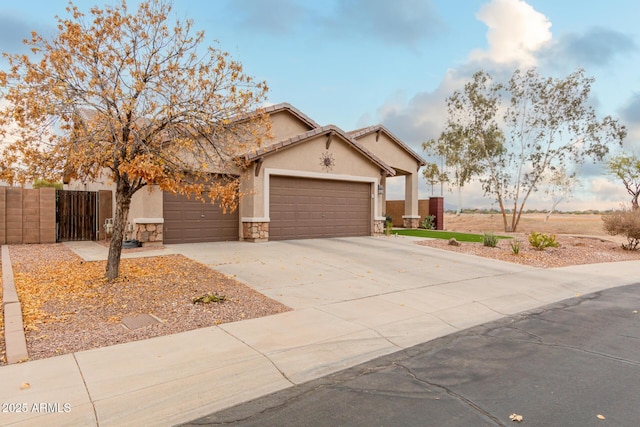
190,221
310,208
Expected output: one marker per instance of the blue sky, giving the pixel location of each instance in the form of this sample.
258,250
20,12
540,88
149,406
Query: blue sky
354,63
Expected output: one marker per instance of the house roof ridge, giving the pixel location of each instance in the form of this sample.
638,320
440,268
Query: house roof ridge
380,127
359,130
296,112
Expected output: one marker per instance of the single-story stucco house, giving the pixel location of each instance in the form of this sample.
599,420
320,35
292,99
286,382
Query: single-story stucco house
307,181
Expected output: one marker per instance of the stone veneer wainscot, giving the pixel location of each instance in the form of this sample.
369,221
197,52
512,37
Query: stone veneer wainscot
149,231
255,230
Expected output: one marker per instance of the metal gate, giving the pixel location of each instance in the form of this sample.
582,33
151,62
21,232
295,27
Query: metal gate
76,215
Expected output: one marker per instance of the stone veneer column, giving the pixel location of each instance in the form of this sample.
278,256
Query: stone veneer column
149,231
255,231
378,226
410,221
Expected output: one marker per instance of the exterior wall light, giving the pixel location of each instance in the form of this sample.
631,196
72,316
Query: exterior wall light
380,190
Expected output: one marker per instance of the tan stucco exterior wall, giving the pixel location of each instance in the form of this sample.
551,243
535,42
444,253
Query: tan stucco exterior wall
390,152
146,203
284,126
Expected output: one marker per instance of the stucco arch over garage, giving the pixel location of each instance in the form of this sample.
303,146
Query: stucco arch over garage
406,162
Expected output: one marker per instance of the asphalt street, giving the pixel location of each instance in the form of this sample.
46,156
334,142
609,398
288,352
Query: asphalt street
572,363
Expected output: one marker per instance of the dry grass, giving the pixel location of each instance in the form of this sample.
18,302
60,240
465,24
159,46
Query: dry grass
570,224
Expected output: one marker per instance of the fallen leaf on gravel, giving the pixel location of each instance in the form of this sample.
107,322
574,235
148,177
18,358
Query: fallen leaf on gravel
601,417
24,386
515,417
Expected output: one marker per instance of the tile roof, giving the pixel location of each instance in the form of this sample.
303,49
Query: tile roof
293,110
358,133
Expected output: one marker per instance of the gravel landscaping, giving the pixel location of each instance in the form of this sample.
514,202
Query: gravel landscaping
573,250
68,307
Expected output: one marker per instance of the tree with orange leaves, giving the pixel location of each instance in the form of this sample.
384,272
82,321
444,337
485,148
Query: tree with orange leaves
128,95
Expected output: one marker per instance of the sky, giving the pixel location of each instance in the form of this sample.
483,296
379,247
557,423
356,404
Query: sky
355,63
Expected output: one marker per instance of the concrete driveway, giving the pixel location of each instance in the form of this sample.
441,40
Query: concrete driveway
322,272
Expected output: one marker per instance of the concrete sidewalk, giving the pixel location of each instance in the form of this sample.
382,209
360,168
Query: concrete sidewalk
354,299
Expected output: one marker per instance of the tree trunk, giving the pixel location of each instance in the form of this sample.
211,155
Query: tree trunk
123,201
553,208
515,217
459,210
549,214
504,214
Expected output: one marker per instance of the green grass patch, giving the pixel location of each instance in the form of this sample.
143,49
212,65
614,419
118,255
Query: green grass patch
434,234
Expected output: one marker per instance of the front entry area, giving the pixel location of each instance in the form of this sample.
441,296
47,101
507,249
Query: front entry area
303,208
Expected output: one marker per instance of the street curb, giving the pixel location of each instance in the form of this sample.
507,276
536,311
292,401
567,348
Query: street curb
14,339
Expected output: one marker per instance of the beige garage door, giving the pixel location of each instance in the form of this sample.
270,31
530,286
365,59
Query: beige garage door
187,220
301,208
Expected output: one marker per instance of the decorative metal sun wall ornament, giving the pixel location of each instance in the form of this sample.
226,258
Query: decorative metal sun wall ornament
327,161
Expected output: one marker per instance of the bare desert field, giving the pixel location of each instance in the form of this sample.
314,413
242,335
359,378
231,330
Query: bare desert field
560,223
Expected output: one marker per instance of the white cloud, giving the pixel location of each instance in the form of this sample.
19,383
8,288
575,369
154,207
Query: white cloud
608,190
423,116
516,32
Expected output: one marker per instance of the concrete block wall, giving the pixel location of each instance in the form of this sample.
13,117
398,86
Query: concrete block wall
27,215
13,216
47,215
31,217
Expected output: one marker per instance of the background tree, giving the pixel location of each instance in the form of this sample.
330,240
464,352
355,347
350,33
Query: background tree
547,125
466,141
559,187
626,167
132,96
431,173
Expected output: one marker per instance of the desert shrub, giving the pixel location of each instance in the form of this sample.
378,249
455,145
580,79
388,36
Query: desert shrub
515,246
489,239
388,227
626,223
541,241
429,222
